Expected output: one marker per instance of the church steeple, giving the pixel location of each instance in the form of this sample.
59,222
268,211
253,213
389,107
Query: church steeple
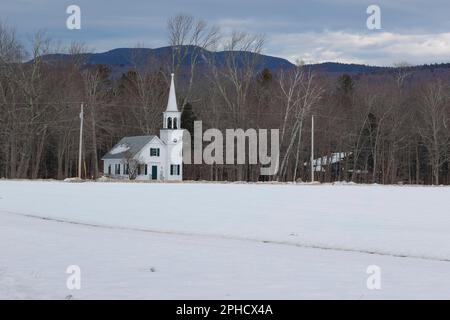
172,115
172,103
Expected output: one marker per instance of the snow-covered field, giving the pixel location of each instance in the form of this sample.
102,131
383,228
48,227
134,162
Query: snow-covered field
225,241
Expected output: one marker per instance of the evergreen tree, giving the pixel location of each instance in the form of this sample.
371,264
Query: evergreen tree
187,118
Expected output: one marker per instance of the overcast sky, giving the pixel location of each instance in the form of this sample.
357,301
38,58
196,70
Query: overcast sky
313,30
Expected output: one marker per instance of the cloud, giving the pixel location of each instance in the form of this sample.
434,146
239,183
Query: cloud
377,48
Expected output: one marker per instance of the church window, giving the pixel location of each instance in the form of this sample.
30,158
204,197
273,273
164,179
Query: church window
154,152
174,169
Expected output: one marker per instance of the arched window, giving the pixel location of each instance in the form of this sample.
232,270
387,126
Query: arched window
169,122
175,123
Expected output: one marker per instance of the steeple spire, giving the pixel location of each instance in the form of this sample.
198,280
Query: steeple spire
172,103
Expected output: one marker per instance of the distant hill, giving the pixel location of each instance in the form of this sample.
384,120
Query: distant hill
123,59
131,57
346,67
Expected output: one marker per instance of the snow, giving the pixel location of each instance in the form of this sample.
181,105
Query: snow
120,149
225,241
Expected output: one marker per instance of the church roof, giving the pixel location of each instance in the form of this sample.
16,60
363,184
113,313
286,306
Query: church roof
128,147
172,103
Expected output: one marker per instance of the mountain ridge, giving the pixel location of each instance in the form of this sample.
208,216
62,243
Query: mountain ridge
122,59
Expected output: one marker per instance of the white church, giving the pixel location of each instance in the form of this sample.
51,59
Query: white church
150,157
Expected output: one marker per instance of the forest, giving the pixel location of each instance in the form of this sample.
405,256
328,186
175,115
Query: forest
387,127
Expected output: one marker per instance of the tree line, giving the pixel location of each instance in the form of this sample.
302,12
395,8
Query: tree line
390,127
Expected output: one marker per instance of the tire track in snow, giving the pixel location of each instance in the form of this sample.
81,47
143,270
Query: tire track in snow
230,237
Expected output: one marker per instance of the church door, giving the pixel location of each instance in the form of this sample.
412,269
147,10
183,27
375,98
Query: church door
154,172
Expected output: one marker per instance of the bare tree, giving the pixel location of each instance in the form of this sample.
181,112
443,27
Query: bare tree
435,124
233,80
11,54
31,81
144,91
402,71
299,93
132,165
96,97
190,39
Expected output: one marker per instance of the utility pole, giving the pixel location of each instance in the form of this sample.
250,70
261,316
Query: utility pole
81,141
312,148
